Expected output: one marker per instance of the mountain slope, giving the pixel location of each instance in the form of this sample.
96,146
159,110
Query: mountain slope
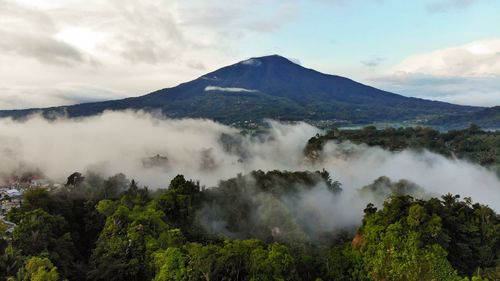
270,87
488,118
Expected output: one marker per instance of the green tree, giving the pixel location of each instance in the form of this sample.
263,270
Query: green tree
170,265
38,269
202,261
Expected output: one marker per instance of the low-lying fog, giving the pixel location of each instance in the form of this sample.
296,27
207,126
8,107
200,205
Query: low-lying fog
153,150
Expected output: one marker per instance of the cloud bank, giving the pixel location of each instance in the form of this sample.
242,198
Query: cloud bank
475,59
153,150
121,46
62,94
468,74
27,31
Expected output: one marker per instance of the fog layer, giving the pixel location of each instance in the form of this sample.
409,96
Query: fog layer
152,150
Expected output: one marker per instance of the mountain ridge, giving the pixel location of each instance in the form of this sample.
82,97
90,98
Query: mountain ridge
269,87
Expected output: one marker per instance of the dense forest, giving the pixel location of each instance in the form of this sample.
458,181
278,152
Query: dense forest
487,118
246,228
471,144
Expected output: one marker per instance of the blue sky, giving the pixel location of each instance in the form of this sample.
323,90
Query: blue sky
67,51
340,35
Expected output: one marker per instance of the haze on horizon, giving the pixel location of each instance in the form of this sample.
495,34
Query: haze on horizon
120,142
65,52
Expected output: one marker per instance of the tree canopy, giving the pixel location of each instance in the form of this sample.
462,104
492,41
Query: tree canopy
245,228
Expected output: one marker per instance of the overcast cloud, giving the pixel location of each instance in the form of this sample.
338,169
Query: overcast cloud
113,49
55,52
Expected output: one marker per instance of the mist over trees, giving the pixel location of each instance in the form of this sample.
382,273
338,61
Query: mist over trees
251,227
471,144
211,203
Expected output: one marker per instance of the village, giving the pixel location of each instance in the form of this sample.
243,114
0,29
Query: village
12,189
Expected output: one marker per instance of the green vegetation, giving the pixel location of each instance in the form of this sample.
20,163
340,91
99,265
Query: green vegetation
487,118
437,239
246,228
472,144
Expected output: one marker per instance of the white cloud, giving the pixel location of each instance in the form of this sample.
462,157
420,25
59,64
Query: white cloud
28,32
229,89
468,74
125,46
148,32
104,144
476,59
63,94
252,62
479,91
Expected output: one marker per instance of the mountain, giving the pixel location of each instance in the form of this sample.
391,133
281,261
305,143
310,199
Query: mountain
488,118
270,87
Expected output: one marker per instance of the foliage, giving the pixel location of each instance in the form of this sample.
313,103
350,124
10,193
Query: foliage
472,144
38,269
424,240
133,235
262,205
